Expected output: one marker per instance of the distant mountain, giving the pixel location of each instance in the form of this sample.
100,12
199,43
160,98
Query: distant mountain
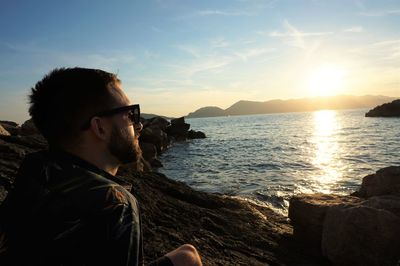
148,116
293,105
207,112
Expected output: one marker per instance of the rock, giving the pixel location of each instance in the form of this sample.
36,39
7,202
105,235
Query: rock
3,131
156,136
385,181
160,122
11,127
391,109
361,235
10,123
156,163
389,203
29,128
178,129
149,151
307,213
178,121
196,135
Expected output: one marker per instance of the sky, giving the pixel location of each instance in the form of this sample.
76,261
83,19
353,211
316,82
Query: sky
174,57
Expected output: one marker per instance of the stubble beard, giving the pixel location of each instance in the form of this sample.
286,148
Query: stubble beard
125,147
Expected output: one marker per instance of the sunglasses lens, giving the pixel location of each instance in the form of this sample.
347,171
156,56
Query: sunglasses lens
134,115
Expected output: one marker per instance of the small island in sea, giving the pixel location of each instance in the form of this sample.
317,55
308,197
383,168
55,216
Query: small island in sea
391,109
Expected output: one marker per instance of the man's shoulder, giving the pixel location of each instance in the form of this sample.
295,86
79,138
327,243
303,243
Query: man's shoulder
65,179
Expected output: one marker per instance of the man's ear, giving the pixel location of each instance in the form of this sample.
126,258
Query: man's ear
98,127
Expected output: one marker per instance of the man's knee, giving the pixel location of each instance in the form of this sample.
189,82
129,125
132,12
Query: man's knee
185,255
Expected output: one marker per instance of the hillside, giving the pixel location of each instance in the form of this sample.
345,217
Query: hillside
293,105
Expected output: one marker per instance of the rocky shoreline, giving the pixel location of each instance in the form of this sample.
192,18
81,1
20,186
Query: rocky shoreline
362,229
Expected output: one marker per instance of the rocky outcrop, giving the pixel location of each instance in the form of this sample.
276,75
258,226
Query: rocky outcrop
350,230
391,109
178,129
11,127
226,231
192,134
3,131
385,181
361,235
29,128
307,214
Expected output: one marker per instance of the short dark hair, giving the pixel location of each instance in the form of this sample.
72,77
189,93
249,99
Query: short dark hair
65,98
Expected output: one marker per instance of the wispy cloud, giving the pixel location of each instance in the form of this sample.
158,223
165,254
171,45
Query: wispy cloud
216,12
381,13
212,63
294,37
355,29
219,42
251,53
192,50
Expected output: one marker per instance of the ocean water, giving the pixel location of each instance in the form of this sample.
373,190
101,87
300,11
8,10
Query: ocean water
268,158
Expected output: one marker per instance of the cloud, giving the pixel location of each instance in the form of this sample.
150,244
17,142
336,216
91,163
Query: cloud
194,51
211,63
381,13
219,42
216,12
254,52
355,29
294,37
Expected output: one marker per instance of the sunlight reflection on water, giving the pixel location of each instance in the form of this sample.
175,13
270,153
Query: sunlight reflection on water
326,149
269,158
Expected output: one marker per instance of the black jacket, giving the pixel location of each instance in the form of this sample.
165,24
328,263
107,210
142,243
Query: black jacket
66,211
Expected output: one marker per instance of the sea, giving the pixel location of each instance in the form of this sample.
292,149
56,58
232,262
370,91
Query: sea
269,158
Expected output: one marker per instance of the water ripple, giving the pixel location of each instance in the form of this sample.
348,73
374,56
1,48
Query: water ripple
269,158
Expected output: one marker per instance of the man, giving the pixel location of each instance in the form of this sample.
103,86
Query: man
67,206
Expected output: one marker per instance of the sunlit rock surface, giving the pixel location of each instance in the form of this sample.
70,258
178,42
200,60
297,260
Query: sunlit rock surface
385,181
3,131
307,214
350,230
361,235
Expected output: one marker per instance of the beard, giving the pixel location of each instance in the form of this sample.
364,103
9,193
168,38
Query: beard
124,146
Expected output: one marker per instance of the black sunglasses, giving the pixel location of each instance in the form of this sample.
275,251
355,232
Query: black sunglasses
133,114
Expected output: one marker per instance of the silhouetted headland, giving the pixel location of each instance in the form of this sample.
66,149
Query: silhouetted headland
391,109
293,105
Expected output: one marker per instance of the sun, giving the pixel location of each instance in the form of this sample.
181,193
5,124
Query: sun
326,80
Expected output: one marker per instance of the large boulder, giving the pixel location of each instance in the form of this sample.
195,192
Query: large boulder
29,128
196,135
307,213
3,131
160,122
385,181
386,110
361,235
178,129
12,127
155,136
149,152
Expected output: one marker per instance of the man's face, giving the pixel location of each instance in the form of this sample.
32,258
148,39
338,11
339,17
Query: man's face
124,145
123,142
